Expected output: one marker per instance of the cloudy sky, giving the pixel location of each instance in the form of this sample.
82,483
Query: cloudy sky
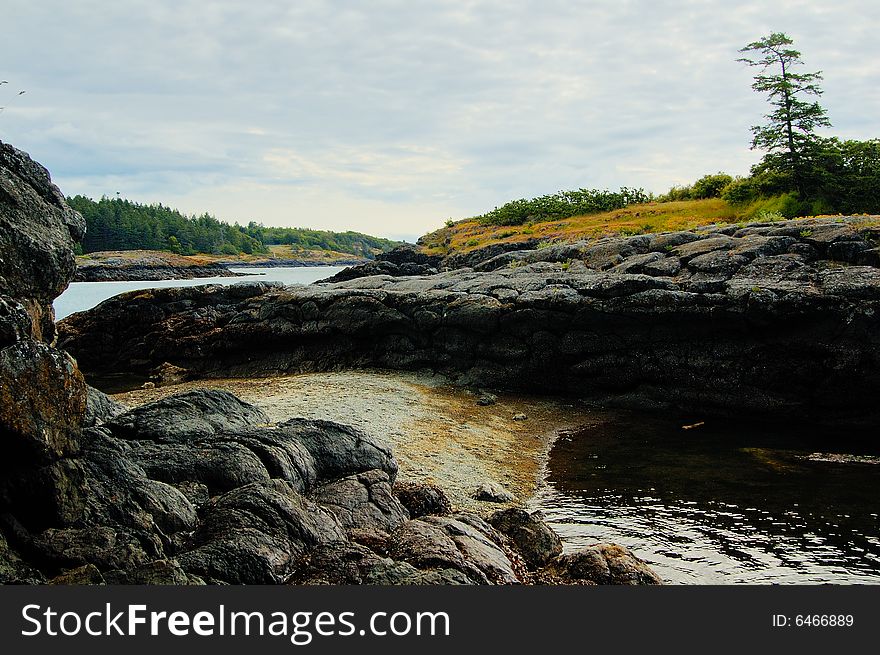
389,117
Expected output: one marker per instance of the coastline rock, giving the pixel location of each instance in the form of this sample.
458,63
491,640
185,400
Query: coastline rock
491,492
422,499
187,416
145,265
443,542
533,539
254,534
601,564
37,234
738,322
402,261
363,503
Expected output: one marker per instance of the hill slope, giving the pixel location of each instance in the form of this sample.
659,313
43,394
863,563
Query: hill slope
471,234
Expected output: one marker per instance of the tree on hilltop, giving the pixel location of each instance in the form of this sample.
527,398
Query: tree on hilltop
788,136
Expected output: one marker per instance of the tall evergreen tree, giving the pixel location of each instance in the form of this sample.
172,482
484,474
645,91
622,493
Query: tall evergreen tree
788,136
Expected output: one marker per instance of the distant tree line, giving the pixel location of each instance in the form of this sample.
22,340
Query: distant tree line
563,204
119,224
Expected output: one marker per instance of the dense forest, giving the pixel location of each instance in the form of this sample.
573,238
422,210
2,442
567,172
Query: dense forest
119,224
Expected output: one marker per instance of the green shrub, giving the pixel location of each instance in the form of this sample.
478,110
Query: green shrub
563,204
710,186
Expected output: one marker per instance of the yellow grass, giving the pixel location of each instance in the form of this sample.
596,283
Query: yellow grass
636,219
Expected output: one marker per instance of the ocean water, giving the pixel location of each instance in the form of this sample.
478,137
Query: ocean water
724,502
80,296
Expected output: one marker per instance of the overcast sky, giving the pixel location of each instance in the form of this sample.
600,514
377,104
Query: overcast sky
389,117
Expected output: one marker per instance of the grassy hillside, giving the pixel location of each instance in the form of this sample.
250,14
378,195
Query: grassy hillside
644,218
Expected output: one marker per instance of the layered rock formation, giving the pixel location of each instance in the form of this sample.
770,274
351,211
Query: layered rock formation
199,487
779,320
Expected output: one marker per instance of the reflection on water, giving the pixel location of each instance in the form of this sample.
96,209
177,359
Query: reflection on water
720,503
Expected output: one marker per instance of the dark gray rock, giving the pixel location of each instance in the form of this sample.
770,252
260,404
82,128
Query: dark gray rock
88,574
363,502
37,235
685,332
339,450
13,569
492,492
102,546
186,416
439,542
255,534
532,538
42,403
219,464
100,408
422,498
346,563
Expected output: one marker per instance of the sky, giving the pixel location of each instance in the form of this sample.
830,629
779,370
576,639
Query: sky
390,117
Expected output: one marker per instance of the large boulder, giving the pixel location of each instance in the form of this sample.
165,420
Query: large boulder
457,543
532,537
601,564
186,416
37,234
256,533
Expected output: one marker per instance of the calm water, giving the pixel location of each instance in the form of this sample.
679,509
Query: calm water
80,296
721,503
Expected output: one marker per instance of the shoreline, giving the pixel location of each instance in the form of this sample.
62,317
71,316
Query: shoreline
155,265
436,430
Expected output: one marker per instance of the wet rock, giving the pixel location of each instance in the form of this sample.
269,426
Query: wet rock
422,498
602,564
492,492
532,538
188,415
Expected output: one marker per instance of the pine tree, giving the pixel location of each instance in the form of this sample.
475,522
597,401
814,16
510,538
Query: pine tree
788,136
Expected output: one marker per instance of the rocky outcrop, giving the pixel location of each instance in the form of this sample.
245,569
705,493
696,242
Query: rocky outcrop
401,261
37,234
779,320
145,265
